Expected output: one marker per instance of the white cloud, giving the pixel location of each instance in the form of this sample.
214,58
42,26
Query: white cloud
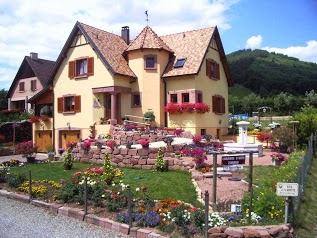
254,42
304,53
43,26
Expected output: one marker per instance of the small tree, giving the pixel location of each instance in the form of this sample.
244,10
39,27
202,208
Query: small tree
264,137
160,164
108,171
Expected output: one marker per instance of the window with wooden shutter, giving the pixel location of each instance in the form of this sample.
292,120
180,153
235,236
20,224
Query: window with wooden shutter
60,105
223,108
218,104
21,87
71,69
77,107
214,104
208,67
90,70
33,85
212,69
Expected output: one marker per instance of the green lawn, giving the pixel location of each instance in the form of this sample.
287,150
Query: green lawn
171,184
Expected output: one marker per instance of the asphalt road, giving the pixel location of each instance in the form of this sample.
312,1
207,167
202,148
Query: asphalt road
22,220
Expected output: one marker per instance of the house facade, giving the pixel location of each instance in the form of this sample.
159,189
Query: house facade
102,75
29,80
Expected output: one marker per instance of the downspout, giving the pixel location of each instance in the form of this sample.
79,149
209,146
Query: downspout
165,101
53,127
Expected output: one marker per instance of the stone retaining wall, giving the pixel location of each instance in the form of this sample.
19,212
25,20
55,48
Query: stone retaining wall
143,158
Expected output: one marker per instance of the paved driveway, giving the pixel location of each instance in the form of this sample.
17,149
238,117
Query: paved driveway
21,220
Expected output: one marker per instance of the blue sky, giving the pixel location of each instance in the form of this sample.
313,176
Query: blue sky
283,26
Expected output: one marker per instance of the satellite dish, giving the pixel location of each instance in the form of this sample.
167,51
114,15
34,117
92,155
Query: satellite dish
31,111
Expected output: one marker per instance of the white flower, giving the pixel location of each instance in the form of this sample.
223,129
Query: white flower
137,189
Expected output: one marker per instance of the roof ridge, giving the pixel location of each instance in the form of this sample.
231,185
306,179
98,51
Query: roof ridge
98,29
40,59
205,28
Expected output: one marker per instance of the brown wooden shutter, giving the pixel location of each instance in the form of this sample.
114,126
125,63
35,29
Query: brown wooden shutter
217,71
71,69
208,68
60,105
90,67
21,87
77,107
214,104
223,107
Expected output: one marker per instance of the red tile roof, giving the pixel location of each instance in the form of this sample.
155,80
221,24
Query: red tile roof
148,39
191,45
111,46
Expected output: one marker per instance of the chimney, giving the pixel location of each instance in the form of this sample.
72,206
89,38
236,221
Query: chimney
33,56
125,34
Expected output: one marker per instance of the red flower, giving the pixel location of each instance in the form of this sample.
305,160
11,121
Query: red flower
143,187
144,143
202,107
173,108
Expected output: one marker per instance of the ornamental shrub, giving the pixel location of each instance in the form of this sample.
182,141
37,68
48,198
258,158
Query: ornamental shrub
26,148
160,164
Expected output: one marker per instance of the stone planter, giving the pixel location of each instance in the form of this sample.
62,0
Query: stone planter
30,160
276,162
68,166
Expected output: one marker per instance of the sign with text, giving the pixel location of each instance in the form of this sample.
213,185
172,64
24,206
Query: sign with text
287,189
232,167
233,159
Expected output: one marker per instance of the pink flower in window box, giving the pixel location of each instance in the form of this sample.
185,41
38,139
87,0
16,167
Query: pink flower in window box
202,107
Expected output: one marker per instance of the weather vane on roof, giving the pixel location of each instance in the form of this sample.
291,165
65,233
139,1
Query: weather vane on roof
147,17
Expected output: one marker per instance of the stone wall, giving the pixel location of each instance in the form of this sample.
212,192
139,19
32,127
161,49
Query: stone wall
284,230
143,158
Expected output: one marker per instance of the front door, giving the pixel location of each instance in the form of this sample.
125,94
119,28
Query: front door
43,139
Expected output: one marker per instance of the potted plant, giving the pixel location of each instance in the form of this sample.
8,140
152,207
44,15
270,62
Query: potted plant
196,139
277,159
50,152
111,143
207,137
61,151
128,144
28,150
144,143
103,120
168,140
99,144
178,132
68,160
86,146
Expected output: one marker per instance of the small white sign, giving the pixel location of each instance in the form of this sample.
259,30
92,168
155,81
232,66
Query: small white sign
235,208
232,167
287,189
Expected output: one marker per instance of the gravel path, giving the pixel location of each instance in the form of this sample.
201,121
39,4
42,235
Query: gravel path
19,219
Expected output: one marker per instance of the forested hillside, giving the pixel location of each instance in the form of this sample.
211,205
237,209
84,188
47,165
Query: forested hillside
267,74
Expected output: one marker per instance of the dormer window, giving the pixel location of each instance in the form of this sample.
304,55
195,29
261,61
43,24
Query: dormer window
150,62
180,63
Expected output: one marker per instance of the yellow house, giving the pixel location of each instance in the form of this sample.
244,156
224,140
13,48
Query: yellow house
102,75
